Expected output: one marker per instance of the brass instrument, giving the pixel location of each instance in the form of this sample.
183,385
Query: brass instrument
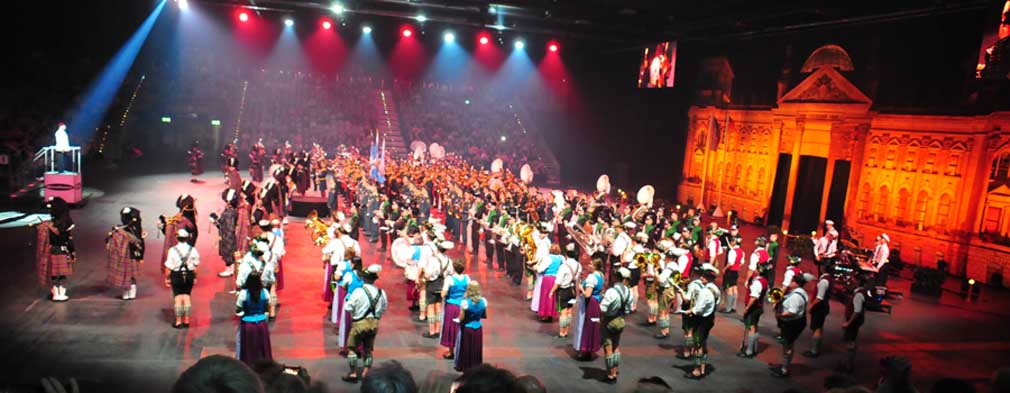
644,259
775,295
319,233
527,244
584,239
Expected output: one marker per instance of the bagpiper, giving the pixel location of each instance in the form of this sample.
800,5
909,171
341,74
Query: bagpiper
124,246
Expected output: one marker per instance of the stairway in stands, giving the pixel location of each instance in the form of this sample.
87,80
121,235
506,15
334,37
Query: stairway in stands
389,124
551,167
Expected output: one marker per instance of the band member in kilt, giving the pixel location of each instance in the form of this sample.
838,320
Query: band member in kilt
256,156
820,307
125,249
181,264
791,313
184,219
54,249
564,290
194,157
586,337
366,305
227,224
253,343
757,289
615,305
470,341
706,301
854,318
453,291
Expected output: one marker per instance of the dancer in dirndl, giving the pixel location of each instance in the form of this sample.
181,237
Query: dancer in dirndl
586,337
349,281
470,341
547,271
453,291
253,342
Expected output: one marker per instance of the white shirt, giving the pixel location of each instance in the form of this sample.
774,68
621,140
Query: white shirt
714,248
787,277
180,251
276,245
543,250
568,274
591,281
754,259
755,289
706,299
822,288
620,243
881,253
438,266
62,140
731,256
359,302
350,243
614,298
857,301
335,249
250,263
795,302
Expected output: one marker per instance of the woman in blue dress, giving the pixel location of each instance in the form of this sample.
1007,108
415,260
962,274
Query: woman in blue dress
586,335
453,291
470,341
253,341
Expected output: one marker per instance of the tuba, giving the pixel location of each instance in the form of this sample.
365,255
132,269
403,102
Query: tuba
318,229
585,240
527,244
775,295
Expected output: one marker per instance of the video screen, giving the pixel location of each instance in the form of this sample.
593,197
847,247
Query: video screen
994,56
658,65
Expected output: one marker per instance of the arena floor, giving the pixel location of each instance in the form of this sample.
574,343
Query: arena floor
130,346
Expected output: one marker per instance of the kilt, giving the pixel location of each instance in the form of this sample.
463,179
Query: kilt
752,316
544,309
253,343
433,291
730,279
611,332
792,329
59,265
182,284
852,332
121,274
469,348
564,297
450,327
818,314
362,335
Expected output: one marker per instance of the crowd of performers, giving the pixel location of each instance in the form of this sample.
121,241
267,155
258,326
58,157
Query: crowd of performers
587,259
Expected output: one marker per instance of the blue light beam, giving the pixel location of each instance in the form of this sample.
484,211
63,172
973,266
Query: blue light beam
99,96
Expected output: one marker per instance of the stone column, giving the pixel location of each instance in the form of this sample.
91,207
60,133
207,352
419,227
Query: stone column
794,171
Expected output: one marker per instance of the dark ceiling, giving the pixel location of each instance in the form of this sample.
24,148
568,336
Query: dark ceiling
633,22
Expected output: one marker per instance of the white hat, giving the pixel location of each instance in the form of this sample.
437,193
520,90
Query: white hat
638,248
642,236
629,225
182,233
708,267
667,244
570,246
446,245
275,222
374,268
624,272
346,228
885,237
263,223
829,222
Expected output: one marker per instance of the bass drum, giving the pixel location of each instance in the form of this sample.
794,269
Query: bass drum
401,252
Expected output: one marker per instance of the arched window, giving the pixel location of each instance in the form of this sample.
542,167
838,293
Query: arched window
891,155
881,211
1000,171
747,185
865,201
920,209
871,156
911,158
737,185
901,208
760,189
943,212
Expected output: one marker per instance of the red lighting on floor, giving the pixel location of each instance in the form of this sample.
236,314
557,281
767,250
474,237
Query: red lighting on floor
407,32
327,25
484,40
553,47
243,16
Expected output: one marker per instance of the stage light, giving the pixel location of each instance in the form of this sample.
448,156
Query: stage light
289,22
166,119
484,40
327,25
421,18
449,37
215,122
492,10
467,101
337,8
243,16
183,5
407,32
503,138
553,47
366,30
520,44
971,281
499,27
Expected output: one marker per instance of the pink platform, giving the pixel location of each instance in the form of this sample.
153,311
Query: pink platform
66,185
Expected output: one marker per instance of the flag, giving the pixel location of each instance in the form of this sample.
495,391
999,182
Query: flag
714,135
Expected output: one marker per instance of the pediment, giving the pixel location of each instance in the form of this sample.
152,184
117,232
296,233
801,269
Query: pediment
825,86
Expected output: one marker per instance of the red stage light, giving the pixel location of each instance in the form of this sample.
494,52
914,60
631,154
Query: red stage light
484,40
407,32
552,47
242,16
327,25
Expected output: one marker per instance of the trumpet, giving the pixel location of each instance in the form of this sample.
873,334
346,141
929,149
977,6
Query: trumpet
775,295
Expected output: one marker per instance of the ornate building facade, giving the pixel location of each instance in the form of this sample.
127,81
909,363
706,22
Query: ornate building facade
937,185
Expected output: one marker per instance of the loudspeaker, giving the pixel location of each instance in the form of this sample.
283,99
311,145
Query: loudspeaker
928,281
